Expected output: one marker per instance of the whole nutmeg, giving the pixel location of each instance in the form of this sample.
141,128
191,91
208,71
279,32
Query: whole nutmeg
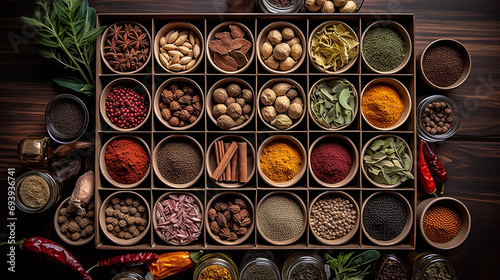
247,109
274,37
225,122
268,97
266,50
234,110
268,113
281,51
328,7
247,95
241,101
220,95
282,104
287,64
350,7
296,51
312,6
291,93
281,88
295,111
272,62
219,110
297,100
287,33
320,2
233,90
230,100
339,3
293,41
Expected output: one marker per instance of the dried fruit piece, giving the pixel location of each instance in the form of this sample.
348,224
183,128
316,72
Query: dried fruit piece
225,62
236,31
239,57
219,46
245,44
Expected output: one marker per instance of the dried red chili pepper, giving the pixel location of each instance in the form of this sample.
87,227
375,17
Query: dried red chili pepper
424,174
435,166
126,260
53,252
172,263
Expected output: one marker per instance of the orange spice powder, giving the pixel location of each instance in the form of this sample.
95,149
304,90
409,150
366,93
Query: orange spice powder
441,224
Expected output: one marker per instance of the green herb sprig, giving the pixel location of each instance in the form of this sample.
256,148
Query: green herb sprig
346,268
387,162
67,27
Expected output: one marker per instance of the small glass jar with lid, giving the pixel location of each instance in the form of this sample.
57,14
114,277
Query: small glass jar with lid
431,266
128,275
216,266
389,266
301,263
259,265
35,151
277,6
36,191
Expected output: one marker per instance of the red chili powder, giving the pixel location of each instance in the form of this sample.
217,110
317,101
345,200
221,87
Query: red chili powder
127,161
331,162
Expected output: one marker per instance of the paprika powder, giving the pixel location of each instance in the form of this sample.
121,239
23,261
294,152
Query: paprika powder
127,161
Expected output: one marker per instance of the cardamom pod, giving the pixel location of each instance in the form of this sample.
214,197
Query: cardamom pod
282,121
175,67
169,47
185,60
196,51
173,36
183,50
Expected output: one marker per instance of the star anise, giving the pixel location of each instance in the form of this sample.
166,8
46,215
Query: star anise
139,39
112,46
115,31
125,43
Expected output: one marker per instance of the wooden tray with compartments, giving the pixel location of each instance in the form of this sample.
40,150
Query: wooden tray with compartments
205,131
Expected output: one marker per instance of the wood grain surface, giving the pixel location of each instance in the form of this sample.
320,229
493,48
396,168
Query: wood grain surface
472,156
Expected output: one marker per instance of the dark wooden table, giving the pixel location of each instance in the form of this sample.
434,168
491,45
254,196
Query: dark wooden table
472,156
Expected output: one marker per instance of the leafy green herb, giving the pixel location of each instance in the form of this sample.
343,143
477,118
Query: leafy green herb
332,103
67,27
387,161
346,268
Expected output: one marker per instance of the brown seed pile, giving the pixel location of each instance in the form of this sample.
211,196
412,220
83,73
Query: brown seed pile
126,217
332,217
437,118
179,49
179,219
76,227
230,50
233,105
229,219
280,217
180,104
126,47
441,224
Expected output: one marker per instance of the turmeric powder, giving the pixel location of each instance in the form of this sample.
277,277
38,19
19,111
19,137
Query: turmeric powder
215,272
281,160
381,105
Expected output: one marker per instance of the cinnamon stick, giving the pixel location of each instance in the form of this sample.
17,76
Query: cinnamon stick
220,144
228,168
234,167
242,162
225,161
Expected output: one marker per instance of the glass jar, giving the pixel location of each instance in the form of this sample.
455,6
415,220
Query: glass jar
454,113
128,275
36,191
35,151
302,262
389,267
269,6
215,262
259,265
427,265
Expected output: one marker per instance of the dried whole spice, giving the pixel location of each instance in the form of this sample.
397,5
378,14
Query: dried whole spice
230,50
180,100
231,218
179,219
119,218
227,111
276,104
277,53
180,49
126,46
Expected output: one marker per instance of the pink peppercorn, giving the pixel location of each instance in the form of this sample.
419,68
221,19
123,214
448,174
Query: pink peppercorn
125,107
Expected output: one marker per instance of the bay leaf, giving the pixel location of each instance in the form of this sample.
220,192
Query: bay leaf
377,144
344,97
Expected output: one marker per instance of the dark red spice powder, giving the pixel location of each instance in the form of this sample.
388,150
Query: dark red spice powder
331,162
127,161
